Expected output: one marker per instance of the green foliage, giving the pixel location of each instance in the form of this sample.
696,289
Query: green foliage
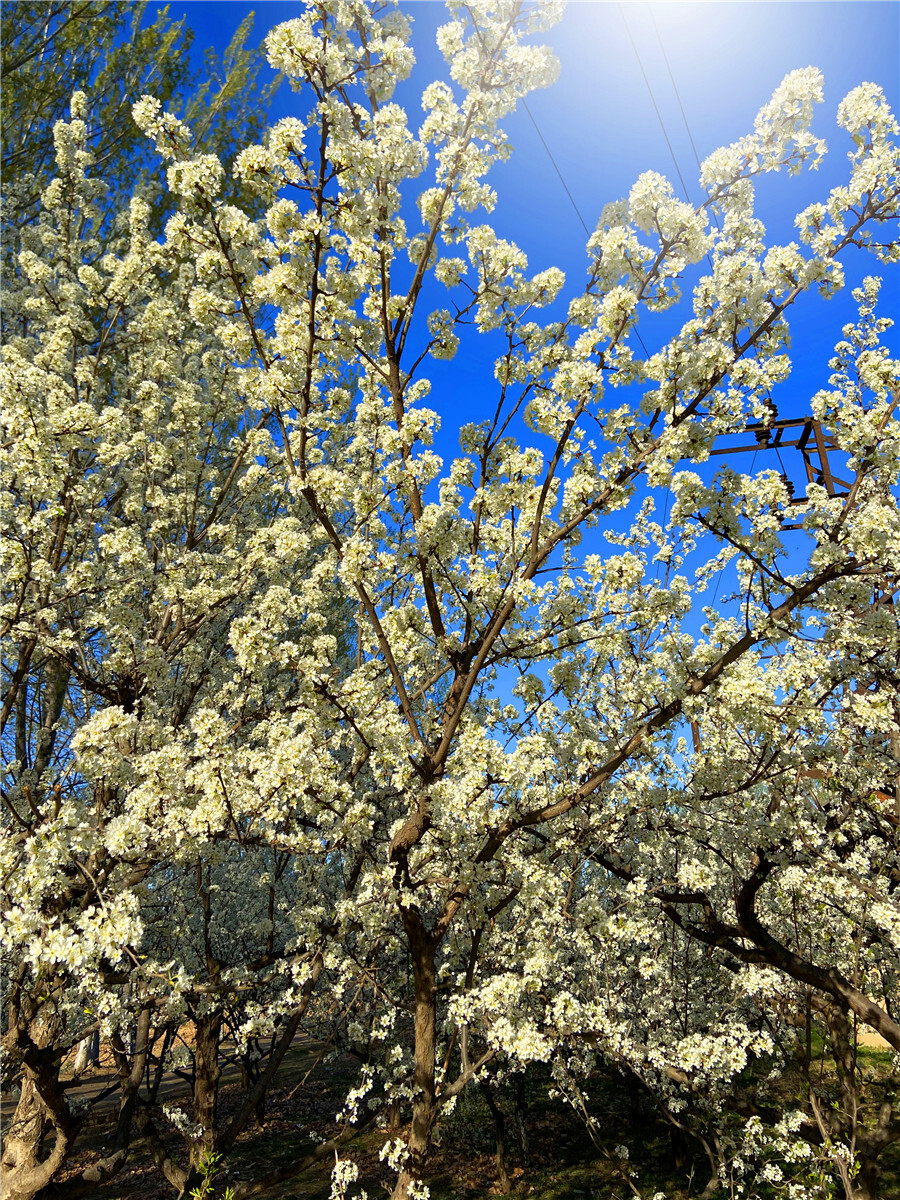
208,1169
109,51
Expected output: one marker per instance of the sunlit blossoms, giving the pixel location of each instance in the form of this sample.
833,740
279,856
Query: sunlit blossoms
312,722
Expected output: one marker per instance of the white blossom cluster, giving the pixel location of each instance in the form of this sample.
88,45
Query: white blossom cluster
443,754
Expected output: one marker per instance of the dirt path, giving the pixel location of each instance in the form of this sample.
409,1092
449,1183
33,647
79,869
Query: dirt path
97,1080
100,1085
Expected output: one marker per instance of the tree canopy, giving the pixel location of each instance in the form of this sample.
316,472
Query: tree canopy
457,762
114,51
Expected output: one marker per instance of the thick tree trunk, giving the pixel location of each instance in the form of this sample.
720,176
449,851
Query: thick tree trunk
208,1031
24,1172
424,1108
131,1074
81,1057
862,1189
87,1054
22,1143
500,1126
520,1117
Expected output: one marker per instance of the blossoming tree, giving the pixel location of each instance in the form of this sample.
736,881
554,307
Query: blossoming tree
272,649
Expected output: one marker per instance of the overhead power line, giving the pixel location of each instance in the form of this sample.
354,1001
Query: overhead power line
557,170
571,198
675,89
680,105
662,123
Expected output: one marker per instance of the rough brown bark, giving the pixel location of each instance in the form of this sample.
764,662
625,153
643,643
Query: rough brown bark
504,1180
41,1104
424,1108
20,1148
131,1074
208,1031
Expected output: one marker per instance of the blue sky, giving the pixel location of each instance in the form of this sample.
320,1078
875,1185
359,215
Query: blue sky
599,119
601,125
602,128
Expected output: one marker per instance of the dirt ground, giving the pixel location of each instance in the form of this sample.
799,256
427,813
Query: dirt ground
549,1155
